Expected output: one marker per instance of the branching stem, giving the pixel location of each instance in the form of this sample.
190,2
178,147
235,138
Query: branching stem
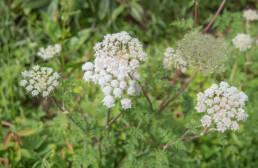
183,138
172,84
179,92
196,136
113,120
63,111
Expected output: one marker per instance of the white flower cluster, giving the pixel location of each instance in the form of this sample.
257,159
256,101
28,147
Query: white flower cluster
49,52
39,80
242,41
173,59
114,69
250,15
223,106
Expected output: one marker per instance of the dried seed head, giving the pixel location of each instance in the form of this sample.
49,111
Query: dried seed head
203,51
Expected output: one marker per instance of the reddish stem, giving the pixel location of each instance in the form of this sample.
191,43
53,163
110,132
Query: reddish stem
113,120
63,111
175,78
195,13
7,124
179,92
183,138
108,116
172,84
196,136
214,17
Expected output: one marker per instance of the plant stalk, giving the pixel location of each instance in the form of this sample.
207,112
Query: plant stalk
179,92
214,17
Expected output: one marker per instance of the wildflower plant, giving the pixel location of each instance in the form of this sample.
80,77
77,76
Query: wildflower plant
141,125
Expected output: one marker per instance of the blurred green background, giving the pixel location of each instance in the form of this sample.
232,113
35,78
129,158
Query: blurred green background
26,25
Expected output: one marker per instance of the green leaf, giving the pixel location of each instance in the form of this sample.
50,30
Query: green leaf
51,28
136,11
117,12
103,8
32,4
26,132
77,41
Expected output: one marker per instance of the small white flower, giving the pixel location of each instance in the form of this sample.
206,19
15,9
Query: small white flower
126,103
122,85
56,75
107,90
34,92
36,67
87,76
131,91
234,126
88,66
114,83
242,41
23,82
206,121
29,88
45,93
118,92
250,15
109,101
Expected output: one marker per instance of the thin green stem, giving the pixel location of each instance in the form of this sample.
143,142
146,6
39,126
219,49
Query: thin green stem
233,70
63,111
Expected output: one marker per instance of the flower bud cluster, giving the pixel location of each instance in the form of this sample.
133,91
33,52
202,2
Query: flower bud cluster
174,60
114,68
39,80
223,107
242,41
49,52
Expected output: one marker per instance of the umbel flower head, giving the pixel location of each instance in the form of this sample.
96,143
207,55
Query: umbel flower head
242,41
250,15
223,107
114,69
203,51
49,52
174,60
39,80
